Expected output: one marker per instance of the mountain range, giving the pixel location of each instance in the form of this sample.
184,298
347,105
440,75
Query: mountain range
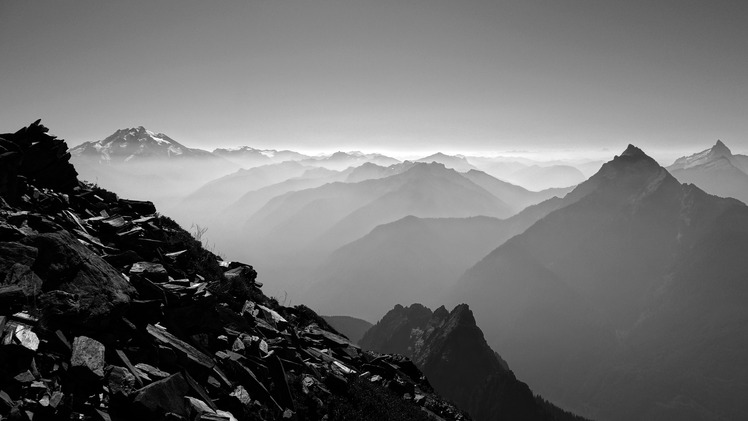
622,298
247,157
410,259
310,224
630,292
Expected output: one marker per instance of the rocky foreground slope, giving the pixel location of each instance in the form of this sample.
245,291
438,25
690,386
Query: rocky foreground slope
109,311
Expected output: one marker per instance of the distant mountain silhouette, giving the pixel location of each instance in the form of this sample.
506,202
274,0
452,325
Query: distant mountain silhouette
515,196
716,170
248,157
337,213
625,302
217,194
342,160
455,162
450,350
302,228
410,259
537,177
369,171
351,327
499,167
145,165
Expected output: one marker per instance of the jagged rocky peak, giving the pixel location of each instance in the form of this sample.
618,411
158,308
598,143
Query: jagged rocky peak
441,312
452,352
463,315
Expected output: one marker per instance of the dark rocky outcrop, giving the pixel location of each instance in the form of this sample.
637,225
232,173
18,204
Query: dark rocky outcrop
109,311
450,349
34,155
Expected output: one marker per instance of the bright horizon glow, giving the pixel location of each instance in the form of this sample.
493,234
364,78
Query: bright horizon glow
407,76
549,156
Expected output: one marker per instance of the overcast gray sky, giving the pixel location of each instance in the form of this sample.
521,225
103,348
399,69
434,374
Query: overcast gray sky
401,75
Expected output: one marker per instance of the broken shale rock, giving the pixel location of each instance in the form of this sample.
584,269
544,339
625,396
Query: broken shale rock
88,357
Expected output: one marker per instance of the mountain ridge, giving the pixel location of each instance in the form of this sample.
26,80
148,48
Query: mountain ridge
613,256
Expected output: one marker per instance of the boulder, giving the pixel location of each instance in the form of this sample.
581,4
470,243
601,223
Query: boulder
68,266
164,396
88,357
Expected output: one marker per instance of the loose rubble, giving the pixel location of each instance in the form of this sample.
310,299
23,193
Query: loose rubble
109,311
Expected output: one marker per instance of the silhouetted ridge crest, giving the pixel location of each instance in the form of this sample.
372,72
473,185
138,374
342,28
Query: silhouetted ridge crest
451,350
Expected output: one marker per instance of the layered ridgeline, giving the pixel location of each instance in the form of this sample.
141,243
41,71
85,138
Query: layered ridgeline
450,349
295,232
248,157
626,303
141,164
536,177
109,311
716,170
411,259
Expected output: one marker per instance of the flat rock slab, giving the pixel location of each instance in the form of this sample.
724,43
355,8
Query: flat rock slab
183,348
68,266
88,356
164,396
154,272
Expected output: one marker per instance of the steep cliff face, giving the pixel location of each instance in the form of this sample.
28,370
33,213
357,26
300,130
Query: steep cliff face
451,351
111,311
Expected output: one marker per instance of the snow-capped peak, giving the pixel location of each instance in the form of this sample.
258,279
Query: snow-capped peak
130,143
719,150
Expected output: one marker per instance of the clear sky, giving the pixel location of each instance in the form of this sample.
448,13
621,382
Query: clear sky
400,75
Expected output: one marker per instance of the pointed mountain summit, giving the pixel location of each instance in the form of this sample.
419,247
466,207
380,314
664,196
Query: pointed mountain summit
136,143
613,293
719,150
634,153
627,177
716,170
451,351
145,165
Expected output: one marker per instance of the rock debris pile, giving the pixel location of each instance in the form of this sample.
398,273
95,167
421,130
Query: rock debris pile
109,311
